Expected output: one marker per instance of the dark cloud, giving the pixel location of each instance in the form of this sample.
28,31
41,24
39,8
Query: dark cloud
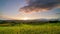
39,5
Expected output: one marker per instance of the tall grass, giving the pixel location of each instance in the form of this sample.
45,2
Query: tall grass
49,28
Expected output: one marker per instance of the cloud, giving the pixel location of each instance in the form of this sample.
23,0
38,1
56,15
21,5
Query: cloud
39,5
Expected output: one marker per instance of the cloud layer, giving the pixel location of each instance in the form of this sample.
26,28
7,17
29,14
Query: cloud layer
39,5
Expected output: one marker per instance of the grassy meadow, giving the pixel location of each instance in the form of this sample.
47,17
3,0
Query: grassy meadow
48,28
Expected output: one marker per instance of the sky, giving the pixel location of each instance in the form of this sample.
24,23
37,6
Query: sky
20,9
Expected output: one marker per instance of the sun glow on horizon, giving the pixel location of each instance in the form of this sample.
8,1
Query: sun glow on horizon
25,18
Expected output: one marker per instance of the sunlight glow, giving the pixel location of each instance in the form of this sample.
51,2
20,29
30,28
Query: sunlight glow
25,18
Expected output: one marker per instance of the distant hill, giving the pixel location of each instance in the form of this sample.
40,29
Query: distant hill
36,20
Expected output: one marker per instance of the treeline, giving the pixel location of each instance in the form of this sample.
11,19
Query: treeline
12,23
16,22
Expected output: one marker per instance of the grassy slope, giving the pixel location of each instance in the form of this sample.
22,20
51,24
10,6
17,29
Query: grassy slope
52,28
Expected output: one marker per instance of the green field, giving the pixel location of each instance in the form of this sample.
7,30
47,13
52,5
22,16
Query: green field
48,28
